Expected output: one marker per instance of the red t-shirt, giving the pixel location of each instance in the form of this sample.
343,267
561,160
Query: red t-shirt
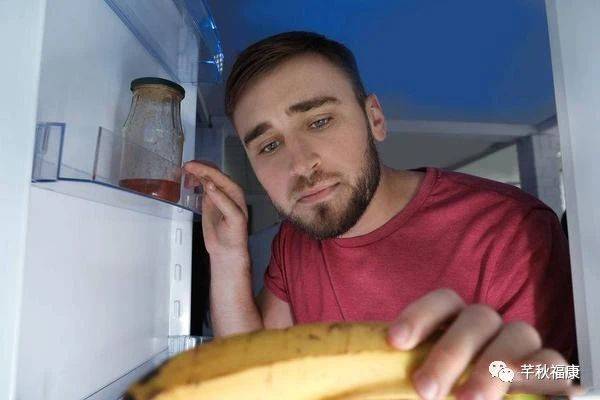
490,242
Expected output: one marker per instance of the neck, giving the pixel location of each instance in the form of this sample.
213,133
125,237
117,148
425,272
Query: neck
395,190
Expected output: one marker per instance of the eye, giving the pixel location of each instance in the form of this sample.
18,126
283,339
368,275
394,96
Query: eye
320,123
271,147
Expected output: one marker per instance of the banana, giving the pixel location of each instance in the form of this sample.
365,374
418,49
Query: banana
305,362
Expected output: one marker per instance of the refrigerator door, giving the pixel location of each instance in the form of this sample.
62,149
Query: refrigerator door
96,283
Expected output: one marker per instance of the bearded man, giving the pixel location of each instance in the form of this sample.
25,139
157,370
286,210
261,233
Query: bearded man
364,242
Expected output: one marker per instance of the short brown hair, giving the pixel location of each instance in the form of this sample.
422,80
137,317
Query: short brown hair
263,56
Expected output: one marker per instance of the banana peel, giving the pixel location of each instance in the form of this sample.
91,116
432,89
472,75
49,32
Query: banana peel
324,361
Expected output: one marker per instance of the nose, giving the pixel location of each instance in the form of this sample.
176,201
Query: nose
304,160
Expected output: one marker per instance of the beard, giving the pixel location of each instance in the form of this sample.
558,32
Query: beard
331,220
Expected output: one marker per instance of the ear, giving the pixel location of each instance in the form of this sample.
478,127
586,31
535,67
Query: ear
376,117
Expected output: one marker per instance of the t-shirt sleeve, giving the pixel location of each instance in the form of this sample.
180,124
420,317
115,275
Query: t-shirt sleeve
275,279
532,281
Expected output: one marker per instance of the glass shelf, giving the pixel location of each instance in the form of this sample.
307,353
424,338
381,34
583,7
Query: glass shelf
180,34
176,344
52,173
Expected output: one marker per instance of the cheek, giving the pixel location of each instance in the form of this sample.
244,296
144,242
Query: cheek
346,147
345,159
273,180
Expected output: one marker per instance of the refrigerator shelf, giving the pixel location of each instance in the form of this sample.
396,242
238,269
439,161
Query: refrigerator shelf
180,343
180,34
177,344
101,184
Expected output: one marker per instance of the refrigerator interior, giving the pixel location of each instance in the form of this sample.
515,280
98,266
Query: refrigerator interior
107,272
98,284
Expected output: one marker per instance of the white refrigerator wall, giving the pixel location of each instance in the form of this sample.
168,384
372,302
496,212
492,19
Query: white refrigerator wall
103,285
574,31
20,72
96,293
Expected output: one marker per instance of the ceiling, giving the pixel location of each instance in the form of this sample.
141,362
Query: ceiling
436,60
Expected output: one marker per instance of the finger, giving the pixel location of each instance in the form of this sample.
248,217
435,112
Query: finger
453,352
424,316
203,169
236,195
204,162
211,215
230,210
515,341
207,172
190,180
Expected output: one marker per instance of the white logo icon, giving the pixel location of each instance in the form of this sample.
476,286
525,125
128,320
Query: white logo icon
498,369
495,367
506,375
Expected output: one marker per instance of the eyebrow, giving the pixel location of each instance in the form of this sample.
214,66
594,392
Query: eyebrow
303,106
309,104
256,132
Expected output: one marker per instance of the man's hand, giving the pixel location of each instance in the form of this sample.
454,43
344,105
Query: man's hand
224,211
224,225
475,334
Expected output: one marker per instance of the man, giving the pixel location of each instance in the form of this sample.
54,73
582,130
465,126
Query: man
362,241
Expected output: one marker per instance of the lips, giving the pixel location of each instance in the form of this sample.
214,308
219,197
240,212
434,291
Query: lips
317,193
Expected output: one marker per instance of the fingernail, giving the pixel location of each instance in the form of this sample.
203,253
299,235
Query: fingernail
400,334
211,186
426,387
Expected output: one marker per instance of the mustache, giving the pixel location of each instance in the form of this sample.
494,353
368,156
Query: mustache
305,183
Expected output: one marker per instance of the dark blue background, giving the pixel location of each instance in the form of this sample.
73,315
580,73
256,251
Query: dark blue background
460,60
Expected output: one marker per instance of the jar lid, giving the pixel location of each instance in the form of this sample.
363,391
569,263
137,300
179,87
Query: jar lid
156,81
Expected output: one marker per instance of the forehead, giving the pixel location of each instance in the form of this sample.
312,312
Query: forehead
300,78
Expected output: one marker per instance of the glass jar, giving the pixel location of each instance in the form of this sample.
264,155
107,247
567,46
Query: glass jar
153,139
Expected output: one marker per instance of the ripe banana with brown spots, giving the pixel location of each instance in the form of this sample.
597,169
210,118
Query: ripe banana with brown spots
304,362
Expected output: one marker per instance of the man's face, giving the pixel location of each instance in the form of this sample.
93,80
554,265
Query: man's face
310,144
